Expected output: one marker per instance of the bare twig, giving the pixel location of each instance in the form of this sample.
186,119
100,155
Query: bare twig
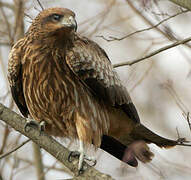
100,17
169,86
142,77
7,24
5,137
7,5
27,15
153,53
40,4
147,21
47,167
105,14
19,20
5,43
111,38
188,120
2,67
178,134
38,162
13,150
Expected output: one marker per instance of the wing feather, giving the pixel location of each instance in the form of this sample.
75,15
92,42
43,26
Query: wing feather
92,65
15,77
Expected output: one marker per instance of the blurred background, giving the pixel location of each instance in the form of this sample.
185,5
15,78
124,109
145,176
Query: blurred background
160,86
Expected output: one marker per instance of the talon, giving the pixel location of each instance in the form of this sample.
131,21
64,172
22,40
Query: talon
30,122
80,171
74,154
33,123
91,159
182,140
82,156
94,162
42,126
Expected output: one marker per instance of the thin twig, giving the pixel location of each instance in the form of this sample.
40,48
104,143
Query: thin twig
177,43
103,17
38,162
40,5
4,141
142,30
5,43
7,25
177,133
7,5
169,87
147,21
47,167
142,77
27,15
19,20
13,150
183,143
188,120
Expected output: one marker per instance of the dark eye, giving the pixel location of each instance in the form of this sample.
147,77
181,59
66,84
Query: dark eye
56,17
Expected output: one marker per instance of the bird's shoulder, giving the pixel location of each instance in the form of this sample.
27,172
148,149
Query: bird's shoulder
15,76
91,63
14,61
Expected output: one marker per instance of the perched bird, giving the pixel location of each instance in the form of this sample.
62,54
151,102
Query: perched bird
67,81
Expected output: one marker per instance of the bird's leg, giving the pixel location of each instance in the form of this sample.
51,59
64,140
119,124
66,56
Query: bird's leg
82,156
31,122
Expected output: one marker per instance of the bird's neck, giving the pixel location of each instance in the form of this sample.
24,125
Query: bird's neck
51,41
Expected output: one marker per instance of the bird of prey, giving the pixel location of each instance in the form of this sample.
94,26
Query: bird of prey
67,81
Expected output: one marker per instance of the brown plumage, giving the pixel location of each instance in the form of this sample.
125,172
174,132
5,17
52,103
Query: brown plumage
68,81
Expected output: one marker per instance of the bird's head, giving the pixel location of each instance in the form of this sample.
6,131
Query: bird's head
53,21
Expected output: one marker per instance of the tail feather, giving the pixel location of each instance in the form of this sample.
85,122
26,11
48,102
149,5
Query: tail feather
138,149
128,154
140,132
118,150
112,146
133,146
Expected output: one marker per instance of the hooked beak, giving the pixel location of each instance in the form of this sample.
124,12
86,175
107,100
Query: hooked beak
69,22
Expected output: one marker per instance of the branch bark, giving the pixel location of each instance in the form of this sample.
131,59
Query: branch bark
49,144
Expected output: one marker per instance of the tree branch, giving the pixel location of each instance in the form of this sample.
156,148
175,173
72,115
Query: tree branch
19,19
7,5
13,150
7,24
147,21
112,38
48,143
38,162
177,43
41,6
